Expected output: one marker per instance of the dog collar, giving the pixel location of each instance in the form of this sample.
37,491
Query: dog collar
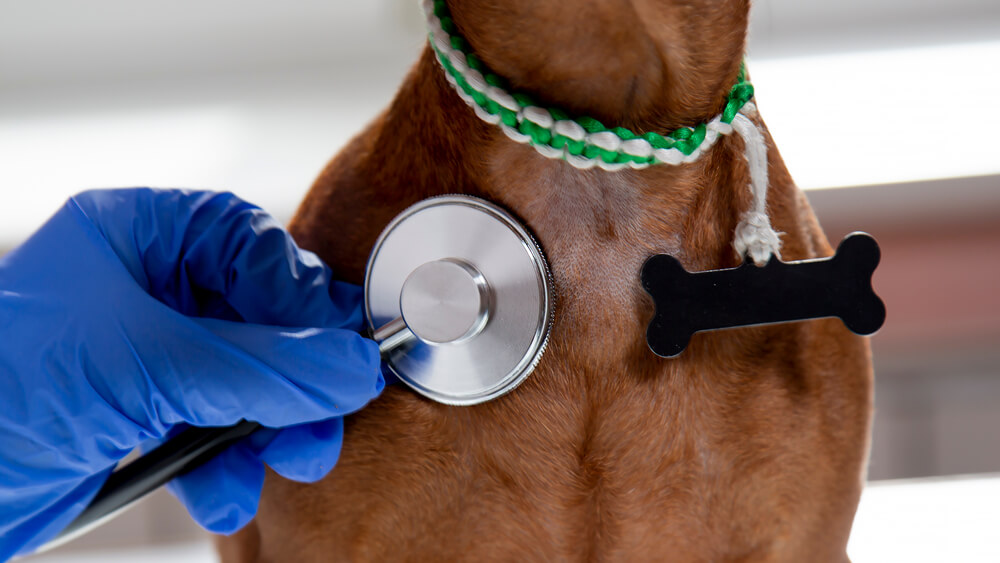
586,143
583,142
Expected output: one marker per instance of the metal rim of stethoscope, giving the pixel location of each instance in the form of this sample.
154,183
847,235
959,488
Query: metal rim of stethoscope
484,245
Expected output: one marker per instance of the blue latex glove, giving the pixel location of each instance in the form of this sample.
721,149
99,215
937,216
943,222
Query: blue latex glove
133,313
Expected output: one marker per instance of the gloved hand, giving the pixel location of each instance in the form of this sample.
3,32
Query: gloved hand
132,313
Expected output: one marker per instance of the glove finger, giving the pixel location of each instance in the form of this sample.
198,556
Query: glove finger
214,255
222,494
268,279
304,453
315,373
208,372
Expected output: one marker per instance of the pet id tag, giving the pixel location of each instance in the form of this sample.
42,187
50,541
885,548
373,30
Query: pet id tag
689,302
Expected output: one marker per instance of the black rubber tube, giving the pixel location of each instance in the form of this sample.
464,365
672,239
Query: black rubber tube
182,453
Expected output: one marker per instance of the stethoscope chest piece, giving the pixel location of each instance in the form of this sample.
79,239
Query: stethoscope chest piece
458,294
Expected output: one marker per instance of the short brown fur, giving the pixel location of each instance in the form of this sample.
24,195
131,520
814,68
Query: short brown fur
750,446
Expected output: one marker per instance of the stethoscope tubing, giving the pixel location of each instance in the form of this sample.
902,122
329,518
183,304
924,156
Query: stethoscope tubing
183,453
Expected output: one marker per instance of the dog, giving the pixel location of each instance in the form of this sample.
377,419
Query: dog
749,446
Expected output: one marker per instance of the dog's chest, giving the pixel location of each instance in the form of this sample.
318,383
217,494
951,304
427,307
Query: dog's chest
593,228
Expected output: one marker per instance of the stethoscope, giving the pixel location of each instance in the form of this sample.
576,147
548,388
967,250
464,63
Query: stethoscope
459,297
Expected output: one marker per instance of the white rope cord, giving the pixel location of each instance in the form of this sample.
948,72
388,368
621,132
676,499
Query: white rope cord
754,236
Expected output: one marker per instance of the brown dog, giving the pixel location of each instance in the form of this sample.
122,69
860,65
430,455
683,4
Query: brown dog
750,446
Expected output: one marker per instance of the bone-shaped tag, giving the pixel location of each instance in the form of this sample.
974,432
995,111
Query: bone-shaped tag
839,286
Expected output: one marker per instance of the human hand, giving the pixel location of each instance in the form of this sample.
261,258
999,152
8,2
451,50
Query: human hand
133,313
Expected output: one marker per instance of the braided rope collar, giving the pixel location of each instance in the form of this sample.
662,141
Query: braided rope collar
586,143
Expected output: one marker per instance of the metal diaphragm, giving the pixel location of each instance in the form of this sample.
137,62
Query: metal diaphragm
460,295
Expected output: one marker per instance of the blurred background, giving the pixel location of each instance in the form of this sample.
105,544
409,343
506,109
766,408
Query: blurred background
884,110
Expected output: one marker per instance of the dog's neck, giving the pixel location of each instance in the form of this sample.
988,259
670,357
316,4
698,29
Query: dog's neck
583,142
646,65
639,64
586,143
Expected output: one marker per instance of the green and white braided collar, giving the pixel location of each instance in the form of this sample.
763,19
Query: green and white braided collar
583,142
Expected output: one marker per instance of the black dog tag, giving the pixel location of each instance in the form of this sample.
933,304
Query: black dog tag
778,292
